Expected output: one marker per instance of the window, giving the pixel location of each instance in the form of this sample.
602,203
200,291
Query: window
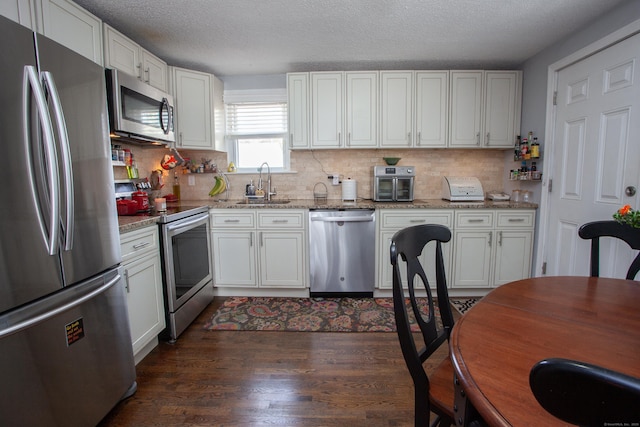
257,132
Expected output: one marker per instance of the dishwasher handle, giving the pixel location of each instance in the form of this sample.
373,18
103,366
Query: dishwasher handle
342,219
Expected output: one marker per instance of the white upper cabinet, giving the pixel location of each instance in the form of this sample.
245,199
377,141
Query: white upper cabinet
298,109
344,110
199,109
71,26
502,101
327,112
397,109
485,108
122,53
466,108
21,11
432,108
362,109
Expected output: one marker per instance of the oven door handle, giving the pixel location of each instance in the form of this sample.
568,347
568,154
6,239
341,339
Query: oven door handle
187,223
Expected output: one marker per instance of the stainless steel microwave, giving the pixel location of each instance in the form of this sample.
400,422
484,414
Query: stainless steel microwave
138,112
393,183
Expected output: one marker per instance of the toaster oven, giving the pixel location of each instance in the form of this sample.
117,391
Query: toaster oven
393,183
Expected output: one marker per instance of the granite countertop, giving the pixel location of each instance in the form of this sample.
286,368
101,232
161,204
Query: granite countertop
130,223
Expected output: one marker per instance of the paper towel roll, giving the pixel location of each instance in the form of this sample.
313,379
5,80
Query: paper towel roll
349,191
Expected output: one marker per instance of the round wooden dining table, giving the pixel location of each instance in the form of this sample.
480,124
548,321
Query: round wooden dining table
496,343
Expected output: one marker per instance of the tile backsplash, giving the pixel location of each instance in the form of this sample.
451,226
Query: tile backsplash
314,166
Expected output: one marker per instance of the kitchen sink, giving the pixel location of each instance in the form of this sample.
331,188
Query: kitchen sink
265,202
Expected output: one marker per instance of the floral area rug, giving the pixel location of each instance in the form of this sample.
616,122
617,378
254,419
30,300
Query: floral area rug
307,314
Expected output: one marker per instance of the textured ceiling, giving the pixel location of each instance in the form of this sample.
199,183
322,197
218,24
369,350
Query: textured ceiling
255,37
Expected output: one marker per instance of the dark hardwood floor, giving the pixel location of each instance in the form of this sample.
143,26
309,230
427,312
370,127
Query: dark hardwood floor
227,378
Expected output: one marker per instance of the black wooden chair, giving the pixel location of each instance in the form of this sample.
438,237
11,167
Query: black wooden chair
595,230
585,394
433,394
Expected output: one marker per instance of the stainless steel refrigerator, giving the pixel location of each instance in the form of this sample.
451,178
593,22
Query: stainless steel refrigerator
65,346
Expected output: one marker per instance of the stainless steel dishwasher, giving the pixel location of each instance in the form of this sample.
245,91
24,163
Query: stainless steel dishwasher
342,252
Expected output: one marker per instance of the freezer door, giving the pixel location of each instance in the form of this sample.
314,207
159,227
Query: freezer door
89,237
67,360
27,271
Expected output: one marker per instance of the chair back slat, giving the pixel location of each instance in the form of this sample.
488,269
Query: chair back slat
595,230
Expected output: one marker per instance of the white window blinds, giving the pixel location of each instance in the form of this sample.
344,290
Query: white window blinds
257,118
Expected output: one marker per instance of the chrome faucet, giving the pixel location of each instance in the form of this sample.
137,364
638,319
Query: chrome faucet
268,193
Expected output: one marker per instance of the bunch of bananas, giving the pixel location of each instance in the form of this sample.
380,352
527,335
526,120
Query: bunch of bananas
218,187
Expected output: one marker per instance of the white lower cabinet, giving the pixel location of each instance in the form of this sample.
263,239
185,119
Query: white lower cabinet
143,285
259,248
492,247
394,220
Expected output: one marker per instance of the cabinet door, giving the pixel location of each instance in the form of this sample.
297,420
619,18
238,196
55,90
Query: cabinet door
143,281
397,109
432,108
472,259
234,258
466,109
298,109
20,11
73,27
427,259
327,110
121,53
501,108
192,97
154,70
513,256
362,109
282,259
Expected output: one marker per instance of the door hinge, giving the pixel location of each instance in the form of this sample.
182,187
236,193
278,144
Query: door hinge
544,267
555,98
550,186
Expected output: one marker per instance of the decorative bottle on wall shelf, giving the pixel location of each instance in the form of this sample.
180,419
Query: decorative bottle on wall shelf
525,150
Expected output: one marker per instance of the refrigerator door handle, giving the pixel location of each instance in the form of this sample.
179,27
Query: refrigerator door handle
31,81
65,149
27,323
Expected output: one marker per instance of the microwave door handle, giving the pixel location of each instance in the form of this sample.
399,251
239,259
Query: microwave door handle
65,149
31,85
165,105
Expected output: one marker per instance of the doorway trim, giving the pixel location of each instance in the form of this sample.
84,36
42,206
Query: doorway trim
625,32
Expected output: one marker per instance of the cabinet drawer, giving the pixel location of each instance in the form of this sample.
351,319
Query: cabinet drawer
476,219
400,219
232,218
138,242
278,219
516,219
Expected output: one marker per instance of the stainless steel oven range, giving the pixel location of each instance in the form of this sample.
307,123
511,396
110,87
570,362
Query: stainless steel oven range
186,266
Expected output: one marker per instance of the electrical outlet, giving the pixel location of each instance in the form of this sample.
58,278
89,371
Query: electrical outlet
191,181
336,179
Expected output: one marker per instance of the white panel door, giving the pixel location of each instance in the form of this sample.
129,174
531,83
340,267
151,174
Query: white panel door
596,156
501,107
362,109
327,110
397,109
298,109
432,109
466,109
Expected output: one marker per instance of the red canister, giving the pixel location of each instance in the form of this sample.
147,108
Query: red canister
127,207
142,199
